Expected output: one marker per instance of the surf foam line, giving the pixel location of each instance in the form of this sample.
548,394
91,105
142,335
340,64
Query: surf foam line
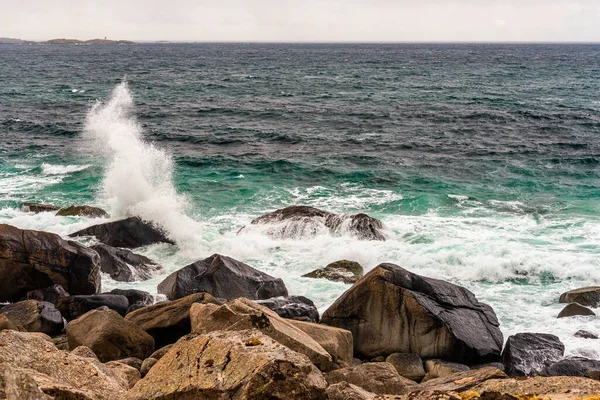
139,176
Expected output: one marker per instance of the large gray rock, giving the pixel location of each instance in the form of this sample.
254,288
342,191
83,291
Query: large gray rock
299,308
392,310
574,366
137,298
125,266
31,260
587,296
526,354
73,307
223,277
35,316
302,221
129,233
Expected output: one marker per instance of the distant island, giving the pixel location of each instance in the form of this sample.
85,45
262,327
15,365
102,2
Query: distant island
4,40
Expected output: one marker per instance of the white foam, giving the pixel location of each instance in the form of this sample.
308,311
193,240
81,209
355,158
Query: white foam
50,169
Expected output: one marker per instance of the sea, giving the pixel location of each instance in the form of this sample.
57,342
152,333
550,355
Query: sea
482,161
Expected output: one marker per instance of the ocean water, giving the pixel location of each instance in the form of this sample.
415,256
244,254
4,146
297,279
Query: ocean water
483,161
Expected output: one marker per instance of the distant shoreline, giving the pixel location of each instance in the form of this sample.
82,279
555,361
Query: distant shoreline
65,41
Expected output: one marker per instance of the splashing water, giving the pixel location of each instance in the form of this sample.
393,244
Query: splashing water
139,176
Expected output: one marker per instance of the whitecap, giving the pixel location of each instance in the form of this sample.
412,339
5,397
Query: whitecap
50,169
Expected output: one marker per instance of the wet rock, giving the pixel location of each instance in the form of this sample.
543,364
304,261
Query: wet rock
57,373
31,260
129,233
337,342
167,322
125,266
391,310
408,365
462,381
223,277
234,365
559,387
147,366
339,271
73,307
136,298
573,309
50,294
587,296
82,211
38,208
527,354
585,335
243,314
302,221
575,366
378,378
299,308
84,351
439,369
35,316
109,336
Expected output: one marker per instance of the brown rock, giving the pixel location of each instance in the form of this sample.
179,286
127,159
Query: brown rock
82,211
17,385
378,378
243,314
38,208
131,374
439,369
35,316
110,336
147,365
84,351
337,342
6,323
132,362
347,391
587,296
57,373
231,365
462,381
61,342
408,365
554,387
339,271
441,395
167,322
158,354
574,309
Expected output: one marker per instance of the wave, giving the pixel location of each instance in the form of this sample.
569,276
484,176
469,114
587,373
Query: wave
50,169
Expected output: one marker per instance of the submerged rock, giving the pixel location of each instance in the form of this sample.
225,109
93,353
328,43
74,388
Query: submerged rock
299,308
587,296
527,354
223,277
231,365
339,271
73,307
585,335
392,310
109,336
35,316
31,260
38,208
129,233
125,266
302,221
82,211
574,309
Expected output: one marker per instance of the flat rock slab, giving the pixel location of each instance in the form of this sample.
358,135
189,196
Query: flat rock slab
557,387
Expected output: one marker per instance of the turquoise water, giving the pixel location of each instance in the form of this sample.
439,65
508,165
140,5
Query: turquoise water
482,161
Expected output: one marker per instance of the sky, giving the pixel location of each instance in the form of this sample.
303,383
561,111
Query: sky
304,20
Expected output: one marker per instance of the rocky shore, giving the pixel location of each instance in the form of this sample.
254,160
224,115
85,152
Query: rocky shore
229,331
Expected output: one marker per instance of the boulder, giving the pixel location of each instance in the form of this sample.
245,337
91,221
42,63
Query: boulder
18,385
131,375
573,309
57,373
391,310
82,211
223,277
38,208
574,366
243,314
231,365
378,378
299,308
302,221
35,316
585,335
73,307
31,260
129,233
587,296
136,298
84,351
339,271
539,387
440,368
461,381
109,336
337,342
167,322
50,294
527,354
147,366
6,323
408,365
125,266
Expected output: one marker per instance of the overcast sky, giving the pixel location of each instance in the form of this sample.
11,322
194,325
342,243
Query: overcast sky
303,20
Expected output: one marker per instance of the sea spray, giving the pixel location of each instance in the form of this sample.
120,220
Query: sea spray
139,176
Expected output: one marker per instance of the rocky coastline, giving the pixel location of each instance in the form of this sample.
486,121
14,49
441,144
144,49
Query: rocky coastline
229,331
